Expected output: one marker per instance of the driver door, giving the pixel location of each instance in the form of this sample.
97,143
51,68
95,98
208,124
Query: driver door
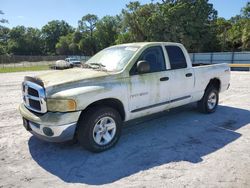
148,90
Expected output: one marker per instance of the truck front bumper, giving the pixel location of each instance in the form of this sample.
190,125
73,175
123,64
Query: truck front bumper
52,126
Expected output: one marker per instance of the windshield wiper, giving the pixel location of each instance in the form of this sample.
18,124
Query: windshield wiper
98,66
87,66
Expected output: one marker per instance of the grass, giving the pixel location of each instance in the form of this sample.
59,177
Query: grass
22,69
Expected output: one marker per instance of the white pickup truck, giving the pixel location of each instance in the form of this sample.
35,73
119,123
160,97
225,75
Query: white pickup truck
117,84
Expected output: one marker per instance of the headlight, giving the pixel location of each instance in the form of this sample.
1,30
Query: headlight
61,105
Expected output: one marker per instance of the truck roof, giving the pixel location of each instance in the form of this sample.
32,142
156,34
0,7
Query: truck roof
141,44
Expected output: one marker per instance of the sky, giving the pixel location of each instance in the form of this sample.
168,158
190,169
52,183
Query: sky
36,13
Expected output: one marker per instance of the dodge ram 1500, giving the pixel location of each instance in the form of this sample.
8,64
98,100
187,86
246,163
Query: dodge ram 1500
118,84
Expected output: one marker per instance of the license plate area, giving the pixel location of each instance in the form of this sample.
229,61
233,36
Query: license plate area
26,124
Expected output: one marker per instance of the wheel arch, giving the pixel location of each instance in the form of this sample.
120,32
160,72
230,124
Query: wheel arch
215,82
110,102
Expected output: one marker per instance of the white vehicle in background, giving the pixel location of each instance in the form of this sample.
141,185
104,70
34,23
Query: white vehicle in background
73,62
67,63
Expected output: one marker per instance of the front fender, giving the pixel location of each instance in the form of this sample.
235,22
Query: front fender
86,95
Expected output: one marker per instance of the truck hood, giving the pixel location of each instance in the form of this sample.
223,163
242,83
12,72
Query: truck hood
56,78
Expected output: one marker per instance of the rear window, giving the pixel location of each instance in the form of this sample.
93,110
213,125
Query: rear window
176,57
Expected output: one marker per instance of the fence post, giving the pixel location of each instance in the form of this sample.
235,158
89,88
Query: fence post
211,57
232,60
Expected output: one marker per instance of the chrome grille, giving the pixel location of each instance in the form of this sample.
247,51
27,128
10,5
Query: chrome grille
34,97
33,92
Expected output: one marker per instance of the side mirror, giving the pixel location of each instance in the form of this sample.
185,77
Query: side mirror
143,67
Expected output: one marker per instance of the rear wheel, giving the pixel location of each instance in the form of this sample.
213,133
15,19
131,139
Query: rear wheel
209,101
99,129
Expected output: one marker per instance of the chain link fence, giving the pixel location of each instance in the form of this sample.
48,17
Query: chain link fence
9,61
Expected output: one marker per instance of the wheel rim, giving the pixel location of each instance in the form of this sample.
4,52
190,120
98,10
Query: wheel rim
212,100
104,130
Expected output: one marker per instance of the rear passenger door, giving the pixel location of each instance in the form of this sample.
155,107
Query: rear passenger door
182,82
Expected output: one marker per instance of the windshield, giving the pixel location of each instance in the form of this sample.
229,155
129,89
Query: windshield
114,58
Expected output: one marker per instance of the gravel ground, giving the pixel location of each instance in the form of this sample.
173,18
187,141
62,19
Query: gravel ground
180,148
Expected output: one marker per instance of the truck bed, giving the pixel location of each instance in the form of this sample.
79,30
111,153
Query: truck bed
202,64
204,72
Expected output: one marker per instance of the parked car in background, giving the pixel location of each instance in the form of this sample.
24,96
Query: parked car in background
67,63
73,62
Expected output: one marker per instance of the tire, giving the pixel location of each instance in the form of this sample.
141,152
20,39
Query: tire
209,102
99,128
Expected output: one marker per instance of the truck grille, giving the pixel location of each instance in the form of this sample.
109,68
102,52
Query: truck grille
34,97
33,92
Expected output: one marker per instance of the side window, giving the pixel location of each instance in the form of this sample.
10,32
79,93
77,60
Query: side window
155,57
176,57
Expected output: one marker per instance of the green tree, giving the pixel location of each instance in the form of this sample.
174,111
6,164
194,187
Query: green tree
106,32
87,26
77,36
51,33
246,29
237,35
24,41
62,47
186,21
222,27
16,42
88,45
74,49
245,11
88,23
2,20
68,45
134,21
3,35
246,36
34,41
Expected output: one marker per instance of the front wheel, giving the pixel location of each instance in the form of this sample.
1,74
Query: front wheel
209,101
99,128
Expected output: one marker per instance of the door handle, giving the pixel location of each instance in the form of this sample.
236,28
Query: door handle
189,74
164,79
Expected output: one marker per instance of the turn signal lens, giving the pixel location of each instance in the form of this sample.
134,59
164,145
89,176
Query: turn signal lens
71,105
61,105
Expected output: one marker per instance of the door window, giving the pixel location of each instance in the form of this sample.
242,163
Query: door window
176,57
154,56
